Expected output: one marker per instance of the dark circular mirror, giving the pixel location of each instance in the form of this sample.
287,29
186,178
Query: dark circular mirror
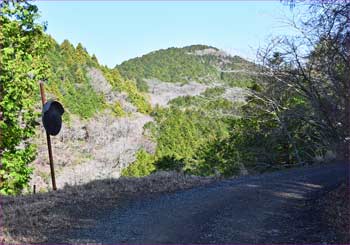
52,117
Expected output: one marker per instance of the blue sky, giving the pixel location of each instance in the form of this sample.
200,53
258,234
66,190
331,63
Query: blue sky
116,31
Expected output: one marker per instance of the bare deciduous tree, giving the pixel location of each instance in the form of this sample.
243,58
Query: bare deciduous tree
313,68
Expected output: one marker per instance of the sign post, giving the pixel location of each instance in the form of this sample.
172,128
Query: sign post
43,100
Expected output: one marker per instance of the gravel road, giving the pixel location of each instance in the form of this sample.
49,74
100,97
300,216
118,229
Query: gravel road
269,208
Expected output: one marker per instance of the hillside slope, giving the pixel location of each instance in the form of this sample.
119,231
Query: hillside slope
196,93
196,63
114,124
103,120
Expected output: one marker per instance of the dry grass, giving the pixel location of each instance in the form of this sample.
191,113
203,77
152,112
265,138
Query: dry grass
31,218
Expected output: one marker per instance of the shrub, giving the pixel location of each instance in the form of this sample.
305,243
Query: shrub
169,163
143,165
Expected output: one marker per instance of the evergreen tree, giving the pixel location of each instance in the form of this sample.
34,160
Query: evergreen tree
22,48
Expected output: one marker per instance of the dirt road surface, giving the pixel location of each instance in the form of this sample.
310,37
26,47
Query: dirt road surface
274,207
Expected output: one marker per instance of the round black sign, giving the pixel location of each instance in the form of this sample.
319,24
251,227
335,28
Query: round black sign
52,117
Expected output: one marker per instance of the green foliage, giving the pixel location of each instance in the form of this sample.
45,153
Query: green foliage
82,101
169,163
118,110
15,172
141,85
276,137
94,59
138,99
186,130
68,80
143,165
242,80
180,135
170,65
196,47
134,95
220,157
214,92
22,47
183,65
209,104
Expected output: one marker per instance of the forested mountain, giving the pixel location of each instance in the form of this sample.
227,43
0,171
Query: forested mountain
187,123
198,63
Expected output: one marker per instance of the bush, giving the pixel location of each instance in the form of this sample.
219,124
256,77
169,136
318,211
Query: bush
169,163
118,110
143,165
14,172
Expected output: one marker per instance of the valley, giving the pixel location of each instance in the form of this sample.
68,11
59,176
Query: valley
101,144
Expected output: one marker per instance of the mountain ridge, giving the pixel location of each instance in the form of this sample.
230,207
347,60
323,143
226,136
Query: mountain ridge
198,63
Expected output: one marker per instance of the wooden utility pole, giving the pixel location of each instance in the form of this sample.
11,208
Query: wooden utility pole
43,100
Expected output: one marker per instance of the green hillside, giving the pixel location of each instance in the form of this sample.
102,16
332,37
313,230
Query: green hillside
185,131
68,81
198,63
